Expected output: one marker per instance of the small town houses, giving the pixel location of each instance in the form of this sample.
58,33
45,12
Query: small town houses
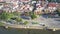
46,7
26,7
58,5
52,7
25,1
42,6
39,9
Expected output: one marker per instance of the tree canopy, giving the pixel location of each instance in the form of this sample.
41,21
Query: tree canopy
5,16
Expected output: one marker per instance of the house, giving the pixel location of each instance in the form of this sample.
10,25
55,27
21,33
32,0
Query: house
33,2
1,5
1,0
7,7
39,6
52,7
39,9
15,5
1,11
25,1
7,1
58,5
37,12
26,8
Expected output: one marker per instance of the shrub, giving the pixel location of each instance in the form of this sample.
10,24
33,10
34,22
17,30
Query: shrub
16,13
18,19
58,12
25,22
33,16
5,16
1,24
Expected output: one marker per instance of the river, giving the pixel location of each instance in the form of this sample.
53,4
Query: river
26,31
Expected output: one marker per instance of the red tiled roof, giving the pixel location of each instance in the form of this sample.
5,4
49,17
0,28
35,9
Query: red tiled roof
14,0
52,4
39,6
24,0
1,0
58,4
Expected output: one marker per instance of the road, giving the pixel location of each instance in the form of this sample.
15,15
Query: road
49,23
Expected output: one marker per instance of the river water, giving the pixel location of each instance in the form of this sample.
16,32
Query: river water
26,31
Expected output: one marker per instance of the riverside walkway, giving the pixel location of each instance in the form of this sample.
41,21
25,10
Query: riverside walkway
29,27
22,26
50,23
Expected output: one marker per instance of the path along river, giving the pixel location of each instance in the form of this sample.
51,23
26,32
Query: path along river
26,31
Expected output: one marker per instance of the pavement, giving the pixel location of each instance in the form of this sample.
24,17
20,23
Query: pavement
49,23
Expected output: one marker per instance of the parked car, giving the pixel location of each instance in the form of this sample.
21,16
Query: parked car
25,17
42,24
11,21
34,22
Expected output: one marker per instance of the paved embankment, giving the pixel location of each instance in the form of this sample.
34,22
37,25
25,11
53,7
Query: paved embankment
29,27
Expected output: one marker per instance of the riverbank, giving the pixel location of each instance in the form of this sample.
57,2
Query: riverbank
36,27
26,31
29,27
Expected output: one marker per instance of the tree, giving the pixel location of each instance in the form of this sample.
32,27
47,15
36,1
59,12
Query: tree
16,13
25,22
5,16
18,19
58,11
50,0
34,0
1,24
33,16
30,13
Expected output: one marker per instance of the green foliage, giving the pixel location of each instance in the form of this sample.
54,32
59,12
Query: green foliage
25,22
54,1
34,22
10,15
16,13
30,13
34,0
5,16
33,16
1,24
58,12
49,0
18,19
